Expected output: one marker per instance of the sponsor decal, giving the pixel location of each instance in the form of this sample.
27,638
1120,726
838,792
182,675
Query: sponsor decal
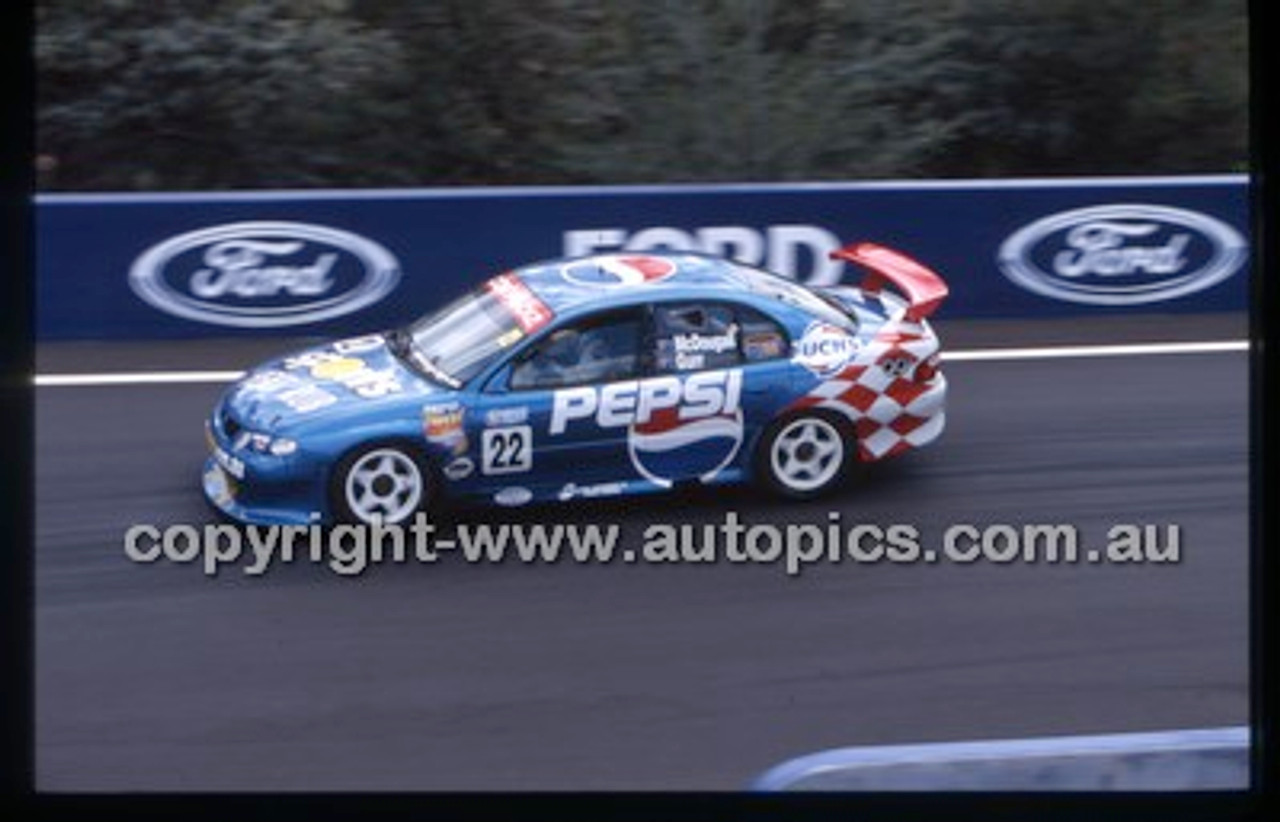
666,447
824,348
510,338
676,427
440,422
636,401
351,372
264,274
307,398
512,496
692,349
763,345
602,489
611,271
511,415
459,469
796,251
506,450
529,312
1122,254
308,360
337,369
265,382
442,425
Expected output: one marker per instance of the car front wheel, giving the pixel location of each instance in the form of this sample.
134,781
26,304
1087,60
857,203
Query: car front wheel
384,483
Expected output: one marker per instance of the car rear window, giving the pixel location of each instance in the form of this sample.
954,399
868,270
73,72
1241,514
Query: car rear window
777,287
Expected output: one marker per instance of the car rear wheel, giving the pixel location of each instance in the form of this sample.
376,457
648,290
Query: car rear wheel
384,483
805,456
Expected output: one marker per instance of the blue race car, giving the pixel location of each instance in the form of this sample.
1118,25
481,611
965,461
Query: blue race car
590,377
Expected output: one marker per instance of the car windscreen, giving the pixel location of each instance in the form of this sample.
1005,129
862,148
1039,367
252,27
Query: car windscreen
457,342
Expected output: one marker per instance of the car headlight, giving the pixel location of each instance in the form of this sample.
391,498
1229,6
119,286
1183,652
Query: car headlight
266,444
282,447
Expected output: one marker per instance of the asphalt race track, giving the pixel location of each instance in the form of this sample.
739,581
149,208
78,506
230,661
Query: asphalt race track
465,677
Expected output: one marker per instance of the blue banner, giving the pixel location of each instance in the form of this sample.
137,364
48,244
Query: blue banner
324,263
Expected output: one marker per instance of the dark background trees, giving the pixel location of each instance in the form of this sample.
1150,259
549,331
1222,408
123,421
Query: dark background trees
165,94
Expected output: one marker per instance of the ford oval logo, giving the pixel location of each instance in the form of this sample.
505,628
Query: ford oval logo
264,274
1122,254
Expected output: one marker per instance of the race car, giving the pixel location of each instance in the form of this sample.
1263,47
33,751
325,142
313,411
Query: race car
589,377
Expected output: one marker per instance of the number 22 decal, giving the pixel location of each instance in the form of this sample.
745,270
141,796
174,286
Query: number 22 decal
506,450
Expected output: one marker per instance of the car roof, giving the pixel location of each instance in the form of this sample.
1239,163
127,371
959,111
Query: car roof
602,279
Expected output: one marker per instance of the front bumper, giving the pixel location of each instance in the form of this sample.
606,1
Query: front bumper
221,490
261,489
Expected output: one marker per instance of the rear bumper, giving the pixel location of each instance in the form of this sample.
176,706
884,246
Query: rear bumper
888,429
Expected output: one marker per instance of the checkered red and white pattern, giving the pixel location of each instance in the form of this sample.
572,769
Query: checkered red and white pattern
890,413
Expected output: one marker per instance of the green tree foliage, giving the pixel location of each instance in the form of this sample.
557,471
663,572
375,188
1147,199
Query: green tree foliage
273,93
263,93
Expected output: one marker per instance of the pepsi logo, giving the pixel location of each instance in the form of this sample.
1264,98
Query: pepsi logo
666,448
611,271
633,402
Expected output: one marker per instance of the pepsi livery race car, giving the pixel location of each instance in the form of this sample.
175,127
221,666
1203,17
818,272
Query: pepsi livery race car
589,377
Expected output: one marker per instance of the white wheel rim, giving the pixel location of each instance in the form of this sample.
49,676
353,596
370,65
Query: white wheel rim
807,454
383,484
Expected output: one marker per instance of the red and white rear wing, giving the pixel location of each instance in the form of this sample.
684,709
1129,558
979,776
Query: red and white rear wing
922,287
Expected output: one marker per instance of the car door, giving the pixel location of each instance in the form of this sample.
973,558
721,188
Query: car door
731,363
555,417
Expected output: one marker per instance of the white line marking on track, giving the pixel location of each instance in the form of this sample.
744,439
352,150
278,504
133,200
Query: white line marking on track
972,355
136,378
1124,350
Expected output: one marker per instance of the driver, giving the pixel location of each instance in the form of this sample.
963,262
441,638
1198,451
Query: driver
569,356
555,363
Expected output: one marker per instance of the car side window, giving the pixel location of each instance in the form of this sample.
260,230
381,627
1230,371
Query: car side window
693,336
603,348
762,337
696,336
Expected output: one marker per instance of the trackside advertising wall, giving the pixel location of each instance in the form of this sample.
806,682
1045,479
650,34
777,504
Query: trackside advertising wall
294,263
